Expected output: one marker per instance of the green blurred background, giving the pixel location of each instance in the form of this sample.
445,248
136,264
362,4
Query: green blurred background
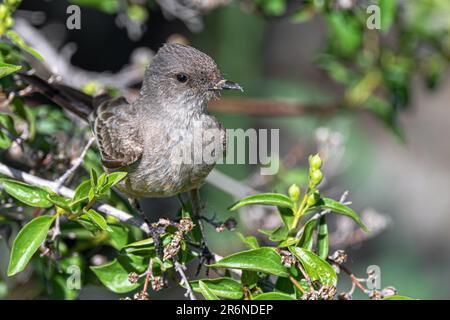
386,142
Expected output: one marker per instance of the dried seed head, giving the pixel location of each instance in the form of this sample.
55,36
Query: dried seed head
133,277
142,295
287,258
312,295
220,228
327,292
172,249
375,295
157,283
185,225
345,296
389,291
339,256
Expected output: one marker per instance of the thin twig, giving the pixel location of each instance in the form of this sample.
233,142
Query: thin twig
75,165
69,193
180,270
355,280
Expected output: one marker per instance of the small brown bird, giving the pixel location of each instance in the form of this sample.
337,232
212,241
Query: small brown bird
140,137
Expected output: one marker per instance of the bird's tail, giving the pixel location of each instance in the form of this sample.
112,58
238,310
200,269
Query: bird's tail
66,97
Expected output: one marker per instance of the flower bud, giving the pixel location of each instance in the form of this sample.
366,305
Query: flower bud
312,199
9,22
316,176
294,192
3,11
315,162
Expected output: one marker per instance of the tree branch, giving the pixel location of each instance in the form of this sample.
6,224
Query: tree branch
268,108
69,193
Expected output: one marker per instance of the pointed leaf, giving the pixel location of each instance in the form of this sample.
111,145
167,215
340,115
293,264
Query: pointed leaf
30,195
6,69
322,238
98,220
315,267
27,242
206,292
18,41
114,276
337,207
306,239
272,199
263,259
250,241
222,287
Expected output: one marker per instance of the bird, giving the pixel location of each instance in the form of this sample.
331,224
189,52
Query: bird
141,137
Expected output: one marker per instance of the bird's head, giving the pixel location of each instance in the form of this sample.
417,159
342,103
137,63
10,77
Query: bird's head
182,76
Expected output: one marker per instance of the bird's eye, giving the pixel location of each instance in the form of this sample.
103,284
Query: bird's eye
182,77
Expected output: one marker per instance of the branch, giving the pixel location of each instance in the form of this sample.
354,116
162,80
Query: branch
59,62
75,165
268,108
179,268
69,193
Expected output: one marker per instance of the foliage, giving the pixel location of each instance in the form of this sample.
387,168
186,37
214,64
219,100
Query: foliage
289,262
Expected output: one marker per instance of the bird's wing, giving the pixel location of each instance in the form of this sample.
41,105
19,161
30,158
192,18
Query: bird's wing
117,129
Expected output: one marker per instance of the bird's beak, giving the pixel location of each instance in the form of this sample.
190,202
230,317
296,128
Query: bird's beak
227,85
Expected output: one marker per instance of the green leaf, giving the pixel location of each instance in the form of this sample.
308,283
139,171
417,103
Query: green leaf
315,267
114,276
272,7
272,199
222,287
6,69
98,220
7,122
5,141
206,292
18,41
290,241
278,234
263,259
322,238
118,236
337,207
344,33
109,181
398,298
94,178
27,242
82,191
387,13
115,177
287,216
249,278
58,201
30,195
107,6
250,241
25,113
306,239
273,296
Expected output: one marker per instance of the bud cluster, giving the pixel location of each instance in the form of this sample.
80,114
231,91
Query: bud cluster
6,9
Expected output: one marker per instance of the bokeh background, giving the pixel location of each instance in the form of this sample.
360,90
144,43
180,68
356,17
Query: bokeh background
374,103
